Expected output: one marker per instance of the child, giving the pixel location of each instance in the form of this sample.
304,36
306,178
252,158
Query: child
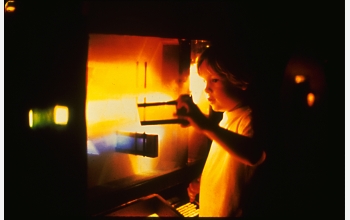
233,155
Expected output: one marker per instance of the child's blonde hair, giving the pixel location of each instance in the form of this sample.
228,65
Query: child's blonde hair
231,64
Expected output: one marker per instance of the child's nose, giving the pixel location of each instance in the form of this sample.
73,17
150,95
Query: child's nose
207,88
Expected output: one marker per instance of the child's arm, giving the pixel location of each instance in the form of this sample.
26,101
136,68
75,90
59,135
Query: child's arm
245,149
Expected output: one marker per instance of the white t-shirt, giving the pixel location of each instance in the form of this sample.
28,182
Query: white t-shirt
223,177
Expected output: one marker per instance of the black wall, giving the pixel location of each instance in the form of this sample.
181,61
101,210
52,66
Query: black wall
45,61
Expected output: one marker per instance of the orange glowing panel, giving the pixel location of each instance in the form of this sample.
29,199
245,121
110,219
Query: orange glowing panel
141,70
310,99
299,78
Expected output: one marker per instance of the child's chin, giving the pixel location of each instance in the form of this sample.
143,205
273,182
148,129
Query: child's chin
216,108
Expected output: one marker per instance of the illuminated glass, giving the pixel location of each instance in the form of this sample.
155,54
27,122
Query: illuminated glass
61,115
140,70
40,117
31,118
48,117
91,149
196,84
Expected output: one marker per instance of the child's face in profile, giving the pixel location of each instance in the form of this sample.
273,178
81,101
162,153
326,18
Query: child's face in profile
218,89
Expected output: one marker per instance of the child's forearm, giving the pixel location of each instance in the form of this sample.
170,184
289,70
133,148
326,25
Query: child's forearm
243,148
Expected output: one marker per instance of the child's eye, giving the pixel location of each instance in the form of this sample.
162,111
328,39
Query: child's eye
214,80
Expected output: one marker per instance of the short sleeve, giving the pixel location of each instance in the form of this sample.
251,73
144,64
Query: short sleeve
245,126
240,122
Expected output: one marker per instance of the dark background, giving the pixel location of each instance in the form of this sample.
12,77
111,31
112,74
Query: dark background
45,64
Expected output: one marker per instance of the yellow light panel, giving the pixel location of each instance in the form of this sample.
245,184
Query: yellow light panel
197,84
61,115
31,118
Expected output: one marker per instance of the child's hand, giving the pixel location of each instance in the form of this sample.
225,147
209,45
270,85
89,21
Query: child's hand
188,111
193,189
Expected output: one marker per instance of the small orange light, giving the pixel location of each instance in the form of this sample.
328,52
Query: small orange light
10,6
299,78
310,99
